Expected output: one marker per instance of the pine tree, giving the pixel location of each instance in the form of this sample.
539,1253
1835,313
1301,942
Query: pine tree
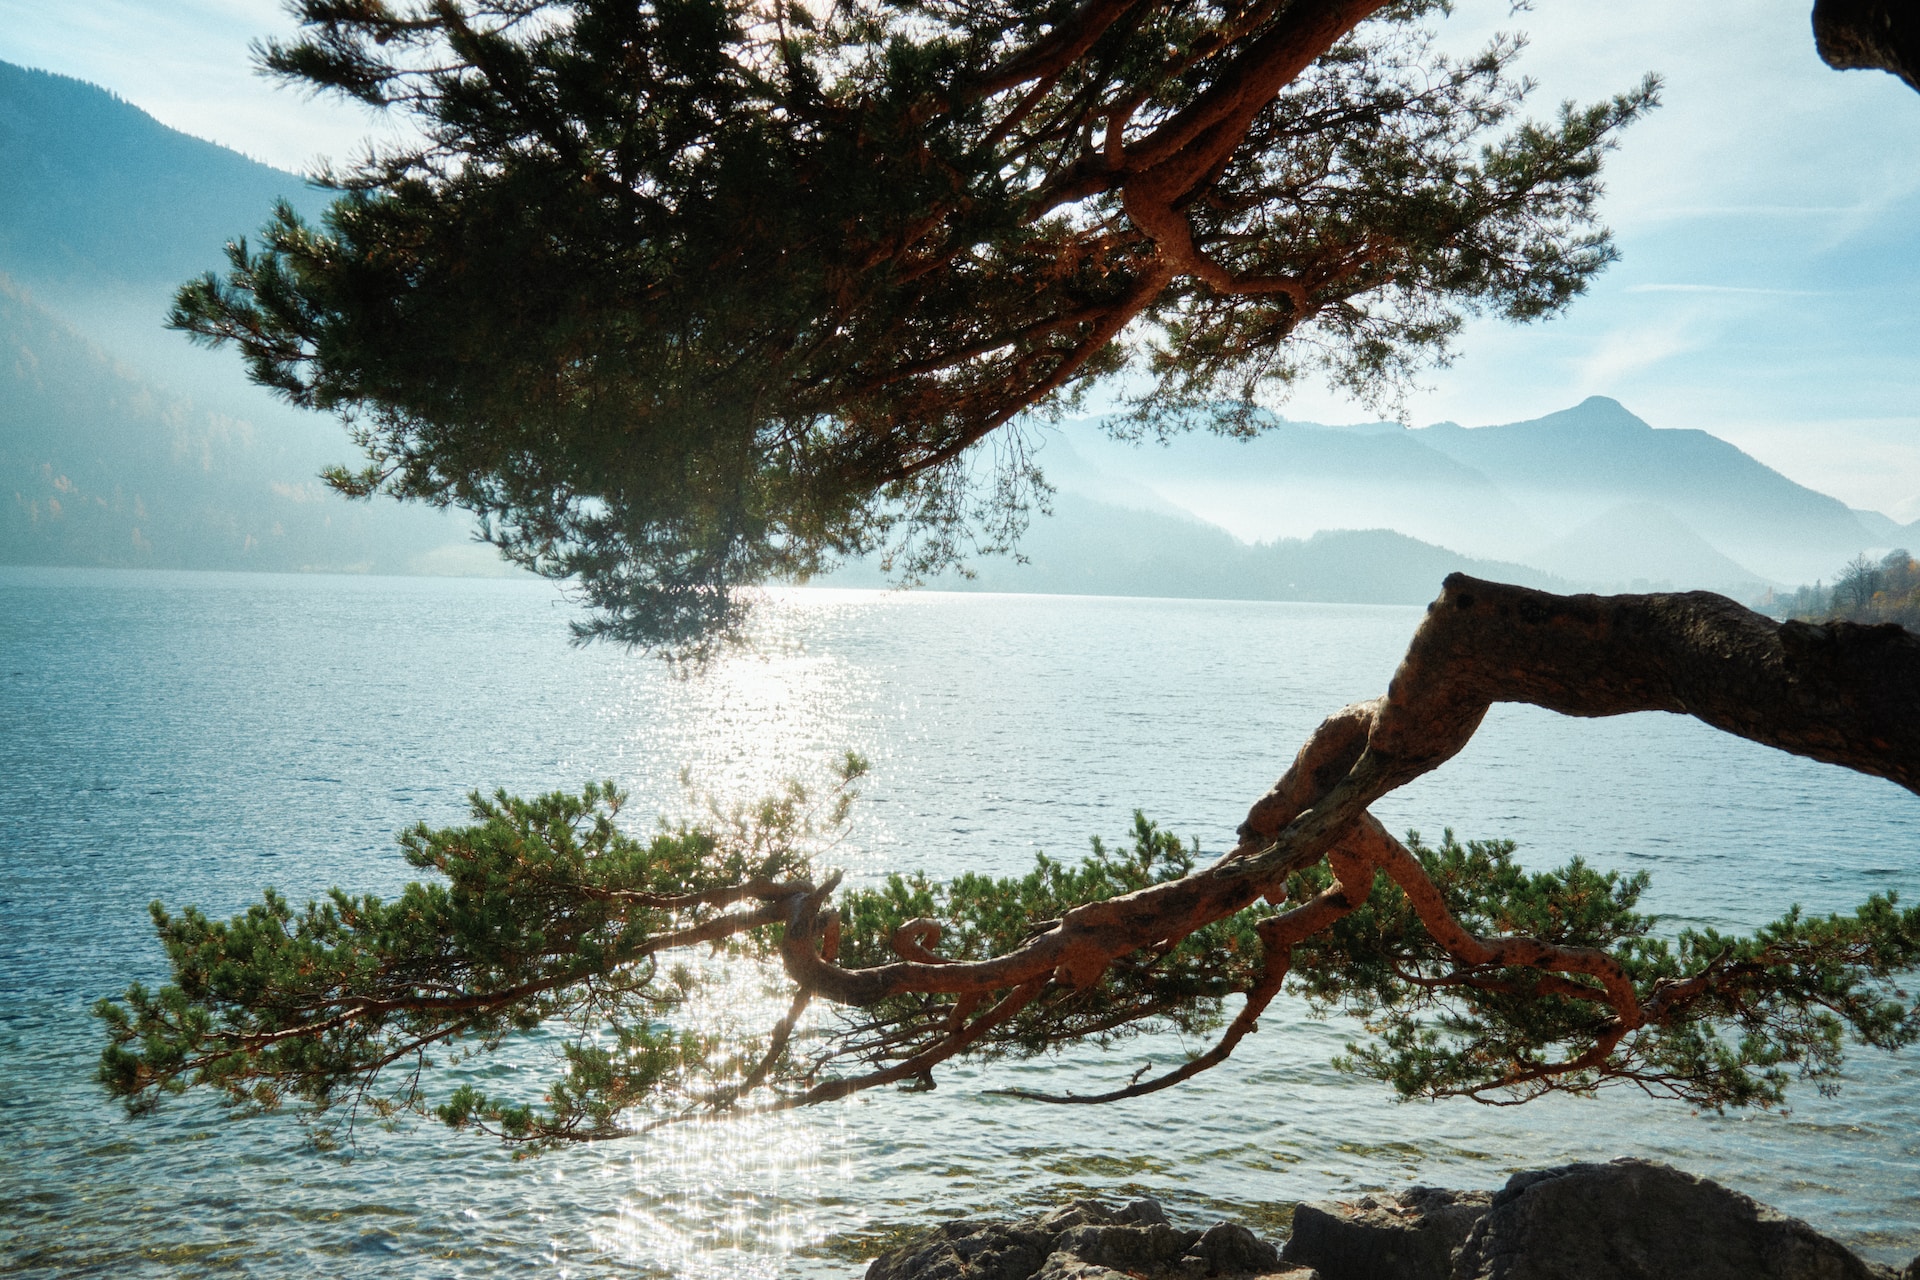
679,297
683,295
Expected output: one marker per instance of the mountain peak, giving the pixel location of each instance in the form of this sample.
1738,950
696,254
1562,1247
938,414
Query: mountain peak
1595,413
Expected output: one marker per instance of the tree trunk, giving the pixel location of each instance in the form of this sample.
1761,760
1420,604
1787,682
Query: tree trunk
1881,35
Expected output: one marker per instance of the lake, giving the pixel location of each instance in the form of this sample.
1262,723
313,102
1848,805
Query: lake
194,737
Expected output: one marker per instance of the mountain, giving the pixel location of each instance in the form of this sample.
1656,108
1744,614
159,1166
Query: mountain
1879,524
94,191
1373,566
1089,547
1642,546
1555,492
97,467
120,443
1297,479
1904,537
1571,467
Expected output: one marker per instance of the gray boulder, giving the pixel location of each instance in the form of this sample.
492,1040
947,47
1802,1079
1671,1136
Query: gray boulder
1229,1249
967,1250
1640,1220
1084,1240
1412,1236
1627,1220
1125,1247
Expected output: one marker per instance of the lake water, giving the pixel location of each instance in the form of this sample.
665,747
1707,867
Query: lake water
194,737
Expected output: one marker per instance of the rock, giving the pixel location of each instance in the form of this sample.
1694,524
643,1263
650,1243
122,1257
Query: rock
1869,34
1640,1220
968,1250
1084,1240
1412,1236
1126,1248
1228,1249
1064,1266
1628,1220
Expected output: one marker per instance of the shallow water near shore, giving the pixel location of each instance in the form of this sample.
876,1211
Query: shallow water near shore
194,737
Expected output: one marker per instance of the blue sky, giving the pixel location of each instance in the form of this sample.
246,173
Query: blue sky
1768,214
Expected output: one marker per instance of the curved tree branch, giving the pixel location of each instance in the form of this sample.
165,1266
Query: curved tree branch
1875,35
1839,692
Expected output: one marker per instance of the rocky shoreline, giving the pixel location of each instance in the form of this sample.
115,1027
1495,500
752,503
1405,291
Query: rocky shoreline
1626,1220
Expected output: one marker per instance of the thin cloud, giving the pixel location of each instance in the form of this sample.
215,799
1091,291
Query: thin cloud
1616,355
1733,289
1865,208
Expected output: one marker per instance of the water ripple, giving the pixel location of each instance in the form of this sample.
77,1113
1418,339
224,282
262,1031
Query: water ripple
194,737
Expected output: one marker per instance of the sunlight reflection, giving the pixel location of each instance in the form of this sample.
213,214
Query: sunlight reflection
729,1199
996,725
757,717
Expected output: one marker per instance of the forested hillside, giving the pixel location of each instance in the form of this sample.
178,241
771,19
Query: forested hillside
94,190
120,444
97,467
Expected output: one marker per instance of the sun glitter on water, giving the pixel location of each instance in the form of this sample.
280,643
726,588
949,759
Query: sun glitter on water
730,1198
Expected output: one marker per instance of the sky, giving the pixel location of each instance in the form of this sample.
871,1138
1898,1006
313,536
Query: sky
1768,217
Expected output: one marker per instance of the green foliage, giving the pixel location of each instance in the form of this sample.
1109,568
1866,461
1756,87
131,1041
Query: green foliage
1864,591
543,923
1740,1011
684,295
542,917
1481,230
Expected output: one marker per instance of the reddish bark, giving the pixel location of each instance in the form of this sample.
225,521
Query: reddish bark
1841,693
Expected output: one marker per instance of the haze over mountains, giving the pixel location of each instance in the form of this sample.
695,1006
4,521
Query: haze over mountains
1590,494
122,445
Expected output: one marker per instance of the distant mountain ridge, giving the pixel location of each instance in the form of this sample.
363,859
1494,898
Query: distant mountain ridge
1296,479
1088,547
94,190
1570,493
1578,463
